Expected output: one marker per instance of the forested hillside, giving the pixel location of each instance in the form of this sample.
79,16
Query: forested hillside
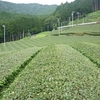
63,13
20,27
95,5
82,6
6,16
18,22
32,8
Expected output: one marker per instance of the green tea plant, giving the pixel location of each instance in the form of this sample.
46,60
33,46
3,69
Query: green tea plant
58,72
83,30
42,34
10,61
90,50
45,41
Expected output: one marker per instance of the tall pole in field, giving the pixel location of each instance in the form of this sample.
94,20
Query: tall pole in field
58,26
78,17
69,20
23,33
83,20
72,17
61,27
4,34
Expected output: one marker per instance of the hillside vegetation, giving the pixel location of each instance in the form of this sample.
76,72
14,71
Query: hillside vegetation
95,16
53,67
62,64
93,29
18,24
91,17
33,9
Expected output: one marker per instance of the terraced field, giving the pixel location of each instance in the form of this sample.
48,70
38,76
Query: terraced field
45,41
9,61
93,30
51,68
90,50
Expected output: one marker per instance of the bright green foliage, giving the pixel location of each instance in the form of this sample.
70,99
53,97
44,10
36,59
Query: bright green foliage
92,51
43,34
66,68
11,60
83,30
45,41
95,16
91,17
57,72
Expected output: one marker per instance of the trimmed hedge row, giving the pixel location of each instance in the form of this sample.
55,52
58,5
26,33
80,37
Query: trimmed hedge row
90,50
10,78
58,72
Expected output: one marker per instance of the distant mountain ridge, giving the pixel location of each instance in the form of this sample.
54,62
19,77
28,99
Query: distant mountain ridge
32,8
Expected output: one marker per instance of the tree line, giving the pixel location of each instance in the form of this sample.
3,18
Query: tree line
19,26
95,5
32,8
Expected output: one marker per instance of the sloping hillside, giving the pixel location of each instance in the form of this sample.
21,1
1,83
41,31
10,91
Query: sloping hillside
32,8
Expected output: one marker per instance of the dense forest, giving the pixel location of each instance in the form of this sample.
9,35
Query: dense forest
95,5
19,25
64,11
22,26
32,8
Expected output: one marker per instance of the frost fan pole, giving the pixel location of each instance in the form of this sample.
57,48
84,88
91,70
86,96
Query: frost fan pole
58,26
4,34
72,17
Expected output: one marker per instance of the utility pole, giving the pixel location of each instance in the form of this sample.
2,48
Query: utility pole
72,17
4,34
83,20
23,33
58,26
48,27
78,17
61,27
69,20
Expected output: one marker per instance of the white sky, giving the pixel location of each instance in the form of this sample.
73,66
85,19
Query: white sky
49,2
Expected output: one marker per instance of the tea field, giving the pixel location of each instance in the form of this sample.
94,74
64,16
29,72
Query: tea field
90,50
50,68
93,29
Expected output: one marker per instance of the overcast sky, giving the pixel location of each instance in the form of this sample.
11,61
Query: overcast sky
49,2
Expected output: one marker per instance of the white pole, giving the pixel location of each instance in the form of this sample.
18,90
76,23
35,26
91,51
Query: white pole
69,20
83,20
59,26
23,33
78,17
4,34
72,17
